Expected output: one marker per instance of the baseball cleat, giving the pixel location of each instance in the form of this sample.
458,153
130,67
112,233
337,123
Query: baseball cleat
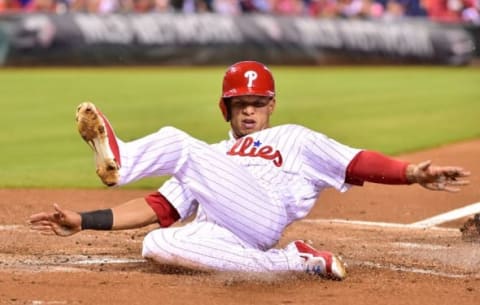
95,129
321,263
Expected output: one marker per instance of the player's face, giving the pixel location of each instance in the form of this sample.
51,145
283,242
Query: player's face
250,113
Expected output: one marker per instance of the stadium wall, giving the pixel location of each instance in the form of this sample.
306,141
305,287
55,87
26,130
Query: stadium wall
211,39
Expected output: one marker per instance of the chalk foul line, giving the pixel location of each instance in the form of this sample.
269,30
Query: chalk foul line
449,216
393,267
429,223
385,225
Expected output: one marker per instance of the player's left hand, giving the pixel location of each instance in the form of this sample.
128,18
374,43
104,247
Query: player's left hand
437,178
60,222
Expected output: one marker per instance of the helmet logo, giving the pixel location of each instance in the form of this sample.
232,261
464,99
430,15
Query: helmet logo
251,76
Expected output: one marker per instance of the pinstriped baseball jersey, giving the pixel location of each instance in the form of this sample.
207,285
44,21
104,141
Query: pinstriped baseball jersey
293,162
254,186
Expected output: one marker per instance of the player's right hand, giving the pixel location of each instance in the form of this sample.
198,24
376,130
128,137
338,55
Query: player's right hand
438,178
60,222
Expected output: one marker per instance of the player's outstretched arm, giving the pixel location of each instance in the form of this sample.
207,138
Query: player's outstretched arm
437,178
129,215
371,166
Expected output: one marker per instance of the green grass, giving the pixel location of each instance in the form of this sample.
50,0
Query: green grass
390,109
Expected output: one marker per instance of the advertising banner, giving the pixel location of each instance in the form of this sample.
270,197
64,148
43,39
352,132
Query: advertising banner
210,39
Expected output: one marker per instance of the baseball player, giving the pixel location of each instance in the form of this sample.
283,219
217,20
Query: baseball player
246,189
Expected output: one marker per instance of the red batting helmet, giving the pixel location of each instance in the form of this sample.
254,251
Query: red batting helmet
246,78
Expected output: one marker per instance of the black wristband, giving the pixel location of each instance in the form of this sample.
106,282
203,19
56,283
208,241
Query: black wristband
97,220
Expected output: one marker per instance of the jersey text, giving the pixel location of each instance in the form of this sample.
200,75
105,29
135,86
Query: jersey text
247,147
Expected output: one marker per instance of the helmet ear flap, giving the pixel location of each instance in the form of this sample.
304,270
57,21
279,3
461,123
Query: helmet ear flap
225,107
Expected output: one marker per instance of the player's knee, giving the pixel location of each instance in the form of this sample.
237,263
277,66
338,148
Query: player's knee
149,246
154,247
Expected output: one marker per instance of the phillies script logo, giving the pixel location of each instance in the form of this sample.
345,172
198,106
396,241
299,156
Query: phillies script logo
247,147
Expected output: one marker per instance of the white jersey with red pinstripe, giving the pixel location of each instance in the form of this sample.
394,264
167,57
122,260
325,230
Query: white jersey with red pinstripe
247,191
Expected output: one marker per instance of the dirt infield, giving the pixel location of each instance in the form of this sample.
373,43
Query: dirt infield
388,264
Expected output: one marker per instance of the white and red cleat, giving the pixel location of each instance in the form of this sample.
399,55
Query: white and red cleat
322,263
95,129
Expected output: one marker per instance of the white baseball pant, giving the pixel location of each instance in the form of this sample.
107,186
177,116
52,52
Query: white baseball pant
243,220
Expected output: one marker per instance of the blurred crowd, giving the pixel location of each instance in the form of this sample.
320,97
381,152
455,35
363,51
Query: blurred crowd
438,10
